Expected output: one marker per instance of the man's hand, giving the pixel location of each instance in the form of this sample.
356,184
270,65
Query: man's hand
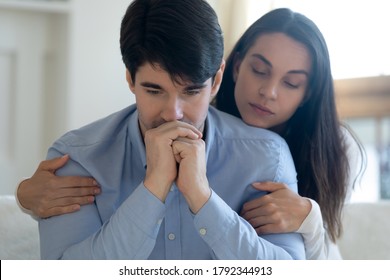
161,169
46,194
191,180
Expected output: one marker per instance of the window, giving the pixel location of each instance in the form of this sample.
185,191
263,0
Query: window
356,32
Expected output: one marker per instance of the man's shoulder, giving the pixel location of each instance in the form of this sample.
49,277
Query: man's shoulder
231,127
101,130
260,150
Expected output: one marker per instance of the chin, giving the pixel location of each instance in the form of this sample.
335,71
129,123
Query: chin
255,123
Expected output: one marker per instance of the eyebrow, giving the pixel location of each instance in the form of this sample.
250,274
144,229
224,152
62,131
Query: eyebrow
151,85
266,61
157,86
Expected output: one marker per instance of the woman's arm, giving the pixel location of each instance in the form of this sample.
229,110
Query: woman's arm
45,194
283,211
280,211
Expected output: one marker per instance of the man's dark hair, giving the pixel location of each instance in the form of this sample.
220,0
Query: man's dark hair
183,37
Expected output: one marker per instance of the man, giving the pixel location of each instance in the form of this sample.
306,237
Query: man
173,172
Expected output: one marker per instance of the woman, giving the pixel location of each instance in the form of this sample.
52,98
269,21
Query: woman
277,77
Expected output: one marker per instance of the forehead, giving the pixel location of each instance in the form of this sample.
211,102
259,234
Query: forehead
154,72
281,49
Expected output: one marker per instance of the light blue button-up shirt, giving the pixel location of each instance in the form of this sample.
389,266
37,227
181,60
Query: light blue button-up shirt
128,222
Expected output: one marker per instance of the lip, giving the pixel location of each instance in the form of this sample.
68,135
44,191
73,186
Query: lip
261,110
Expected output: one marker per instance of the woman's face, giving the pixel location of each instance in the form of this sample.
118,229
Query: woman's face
271,80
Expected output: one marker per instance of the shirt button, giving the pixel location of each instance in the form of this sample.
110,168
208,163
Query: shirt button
171,236
202,231
159,221
172,188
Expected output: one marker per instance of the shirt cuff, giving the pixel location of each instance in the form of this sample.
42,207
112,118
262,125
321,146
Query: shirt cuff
142,203
213,216
314,217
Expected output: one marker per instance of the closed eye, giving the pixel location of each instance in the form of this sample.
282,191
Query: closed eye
153,91
259,72
291,85
194,89
192,92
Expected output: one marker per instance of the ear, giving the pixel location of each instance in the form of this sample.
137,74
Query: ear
217,80
236,66
130,81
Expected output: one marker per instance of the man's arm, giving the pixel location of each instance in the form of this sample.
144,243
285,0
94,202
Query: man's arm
231,237
128,234
45,194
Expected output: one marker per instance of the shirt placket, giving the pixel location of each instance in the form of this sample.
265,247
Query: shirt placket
172,225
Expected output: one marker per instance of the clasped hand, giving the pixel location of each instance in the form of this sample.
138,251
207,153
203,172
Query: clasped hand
175,152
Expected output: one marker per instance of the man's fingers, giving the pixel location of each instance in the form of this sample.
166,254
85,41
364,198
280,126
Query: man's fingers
176,129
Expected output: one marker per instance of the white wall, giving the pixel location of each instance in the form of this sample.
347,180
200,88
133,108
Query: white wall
22,60
97,75
59,69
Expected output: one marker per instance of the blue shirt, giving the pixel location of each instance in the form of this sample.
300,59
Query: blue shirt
128,222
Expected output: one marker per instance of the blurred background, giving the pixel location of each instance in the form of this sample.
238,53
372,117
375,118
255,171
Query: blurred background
60,68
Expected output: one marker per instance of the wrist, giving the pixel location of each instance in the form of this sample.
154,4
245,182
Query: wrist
159,188
198,200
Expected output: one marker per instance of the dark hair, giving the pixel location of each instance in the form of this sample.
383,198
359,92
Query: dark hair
181,36
313,133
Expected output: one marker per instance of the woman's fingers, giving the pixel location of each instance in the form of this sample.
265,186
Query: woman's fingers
53,164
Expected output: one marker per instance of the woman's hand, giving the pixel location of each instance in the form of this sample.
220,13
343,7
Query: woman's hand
46,194
280,211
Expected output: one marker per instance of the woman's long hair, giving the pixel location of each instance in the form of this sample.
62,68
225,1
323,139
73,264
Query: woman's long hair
313,133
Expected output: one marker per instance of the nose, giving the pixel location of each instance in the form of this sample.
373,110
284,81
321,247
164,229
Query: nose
269,90
173,110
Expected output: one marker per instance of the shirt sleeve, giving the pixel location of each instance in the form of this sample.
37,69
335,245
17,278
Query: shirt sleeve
130,233
231,237
313,232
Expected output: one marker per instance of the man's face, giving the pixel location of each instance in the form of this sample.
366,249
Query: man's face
159,99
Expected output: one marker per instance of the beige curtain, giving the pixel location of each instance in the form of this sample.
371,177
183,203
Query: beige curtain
236,15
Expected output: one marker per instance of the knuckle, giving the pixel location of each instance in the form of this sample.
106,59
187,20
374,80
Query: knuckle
41,212
42,164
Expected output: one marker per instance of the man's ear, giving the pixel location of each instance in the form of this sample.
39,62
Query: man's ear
217,80
130,81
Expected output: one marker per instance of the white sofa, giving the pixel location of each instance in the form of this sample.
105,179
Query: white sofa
366,233
19,239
